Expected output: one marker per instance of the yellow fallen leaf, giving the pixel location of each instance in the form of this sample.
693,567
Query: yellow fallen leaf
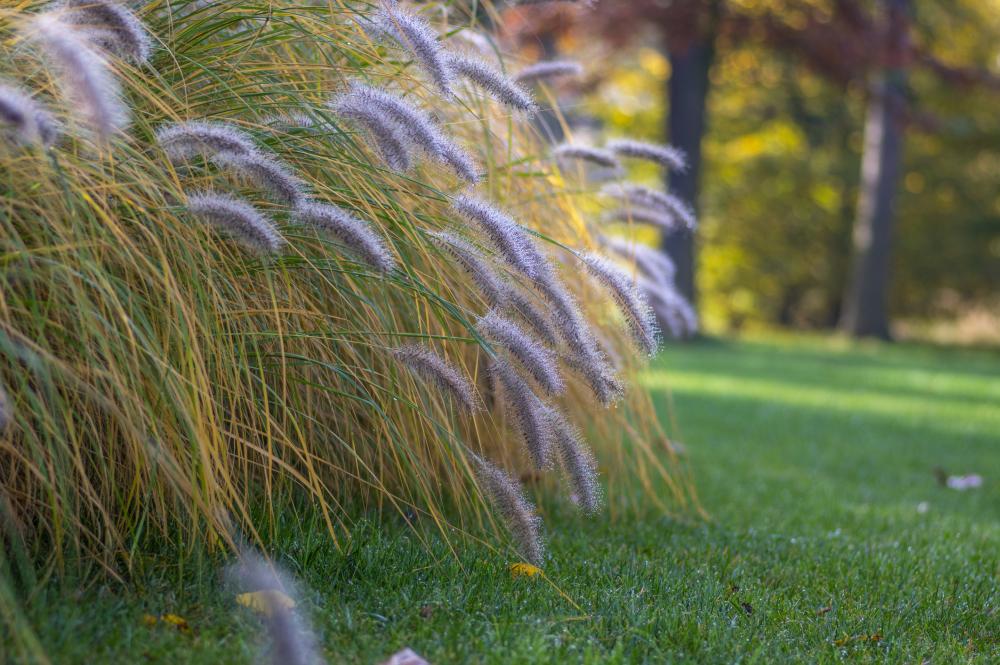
266,601
149,619
174,620
524,570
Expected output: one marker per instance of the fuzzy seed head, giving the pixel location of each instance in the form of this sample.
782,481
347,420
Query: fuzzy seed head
419,39
112,26
291,639
664,221
184,140
390,140
503,232
84,76
533,356
490,286
548,70
26,120
237,218
432,367
666,156
656,265
638,315
577,462
497,84
527,411
265,172
531,314
350,231
672,309
637,196
517,512
602,158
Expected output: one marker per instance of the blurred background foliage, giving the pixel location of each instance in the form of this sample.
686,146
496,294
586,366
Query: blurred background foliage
783,148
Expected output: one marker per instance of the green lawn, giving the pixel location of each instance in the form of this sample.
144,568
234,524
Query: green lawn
812,458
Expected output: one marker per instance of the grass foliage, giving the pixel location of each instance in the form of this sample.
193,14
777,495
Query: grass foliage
168,385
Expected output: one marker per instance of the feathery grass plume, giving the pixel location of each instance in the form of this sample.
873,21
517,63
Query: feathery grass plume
654,264
672,308
586,358
630,300
237,218
112,26
549,69
527,409
576,460
27,120
505,234
534,357
644,197
532,315
429,365
493,290
416,36
292,120
517,512
666,156
664,221
83,74
499,86
390,140
184,140
353,233
596,156
264,172
417,125
290,637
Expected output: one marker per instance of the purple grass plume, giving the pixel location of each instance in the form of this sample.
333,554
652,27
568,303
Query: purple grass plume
671,308
291,640
418,38
491,287
577,462
533,315
353,233
432,367
504,233
656,265
84,77
596,156
549,69
112,26
26,120
265,172
643,197
517,512
666,156
527,411
539,361
665,221
585,357
238,219
630,300
390,140
497,84
416,125
184,140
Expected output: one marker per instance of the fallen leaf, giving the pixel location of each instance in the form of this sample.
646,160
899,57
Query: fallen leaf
823,610
266,601
178,621
524,570
149,619
876,637
406,657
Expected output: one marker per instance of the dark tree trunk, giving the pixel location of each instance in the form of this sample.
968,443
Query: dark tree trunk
865,312
688,91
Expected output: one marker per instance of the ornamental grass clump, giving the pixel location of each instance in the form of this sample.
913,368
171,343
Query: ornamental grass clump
174,378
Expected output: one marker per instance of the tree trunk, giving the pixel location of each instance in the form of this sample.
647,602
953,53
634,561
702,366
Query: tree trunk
865,312
688,92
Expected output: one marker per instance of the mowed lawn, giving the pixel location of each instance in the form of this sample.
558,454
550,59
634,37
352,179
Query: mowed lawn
830,540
